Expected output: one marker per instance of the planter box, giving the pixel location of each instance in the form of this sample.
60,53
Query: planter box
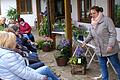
78,69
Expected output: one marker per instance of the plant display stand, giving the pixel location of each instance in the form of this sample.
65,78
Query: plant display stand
78,69
78,62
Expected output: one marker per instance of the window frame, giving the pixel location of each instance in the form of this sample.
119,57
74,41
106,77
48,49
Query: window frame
58,15
111,12
79,10
25,11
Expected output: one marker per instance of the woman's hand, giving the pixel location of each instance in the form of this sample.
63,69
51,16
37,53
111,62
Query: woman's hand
83,44
109,49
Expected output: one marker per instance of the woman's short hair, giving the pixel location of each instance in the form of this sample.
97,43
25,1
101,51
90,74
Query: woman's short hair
21,19
7,40
97,8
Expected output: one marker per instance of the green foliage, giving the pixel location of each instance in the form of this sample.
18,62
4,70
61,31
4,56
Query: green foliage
63,49
40,44
117,15
43,29
59,54
12,13
73,60
79,31
59,26
46,41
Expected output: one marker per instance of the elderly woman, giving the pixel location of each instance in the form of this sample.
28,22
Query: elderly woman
2,23
12,65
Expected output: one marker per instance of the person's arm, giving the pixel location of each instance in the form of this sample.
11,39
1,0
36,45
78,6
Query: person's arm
112,34
28,28
16,65
88,39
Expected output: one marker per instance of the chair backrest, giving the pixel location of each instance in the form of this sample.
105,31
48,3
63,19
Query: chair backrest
118,33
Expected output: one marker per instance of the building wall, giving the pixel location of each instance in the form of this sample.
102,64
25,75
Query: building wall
103,4
5,5
74,14
30,18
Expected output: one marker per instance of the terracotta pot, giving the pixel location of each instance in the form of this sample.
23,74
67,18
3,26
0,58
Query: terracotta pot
46,48
61,61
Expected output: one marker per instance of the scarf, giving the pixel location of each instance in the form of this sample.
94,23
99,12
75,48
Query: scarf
96,20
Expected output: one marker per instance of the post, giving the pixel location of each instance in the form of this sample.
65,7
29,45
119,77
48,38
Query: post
68,24
48,18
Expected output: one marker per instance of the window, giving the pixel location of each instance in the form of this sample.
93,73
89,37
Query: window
116,13
83,10
24,6
0,7
59,9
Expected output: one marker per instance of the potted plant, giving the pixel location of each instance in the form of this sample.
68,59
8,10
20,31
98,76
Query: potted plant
59,26
45,44
78,62
62,55
79,32
12,14
43,27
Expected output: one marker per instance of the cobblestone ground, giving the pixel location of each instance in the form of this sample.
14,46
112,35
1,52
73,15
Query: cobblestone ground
65,71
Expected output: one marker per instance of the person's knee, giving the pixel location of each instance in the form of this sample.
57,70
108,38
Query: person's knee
46,68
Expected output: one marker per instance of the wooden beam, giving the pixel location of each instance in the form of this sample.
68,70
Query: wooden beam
52,12
68,24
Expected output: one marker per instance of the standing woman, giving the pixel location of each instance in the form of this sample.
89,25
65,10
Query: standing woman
103,35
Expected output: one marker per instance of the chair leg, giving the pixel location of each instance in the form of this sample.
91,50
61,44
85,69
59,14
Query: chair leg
90,61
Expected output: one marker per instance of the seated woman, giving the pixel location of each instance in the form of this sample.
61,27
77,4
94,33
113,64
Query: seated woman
12,64
32,57
25,29
2,23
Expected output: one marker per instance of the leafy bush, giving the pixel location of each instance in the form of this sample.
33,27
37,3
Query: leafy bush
63,49
12,13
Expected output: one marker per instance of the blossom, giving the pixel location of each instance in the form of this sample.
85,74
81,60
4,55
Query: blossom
64,43
79,51
64,46
47,41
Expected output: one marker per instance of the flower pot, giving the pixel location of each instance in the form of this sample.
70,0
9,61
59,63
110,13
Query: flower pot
46,48
61,61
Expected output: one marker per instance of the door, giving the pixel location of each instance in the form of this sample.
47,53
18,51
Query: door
39,15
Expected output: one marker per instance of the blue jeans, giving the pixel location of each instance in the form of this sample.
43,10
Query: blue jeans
103,64
47,71
37,65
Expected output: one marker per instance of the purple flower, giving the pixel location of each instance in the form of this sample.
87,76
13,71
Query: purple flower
64,43
79,51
